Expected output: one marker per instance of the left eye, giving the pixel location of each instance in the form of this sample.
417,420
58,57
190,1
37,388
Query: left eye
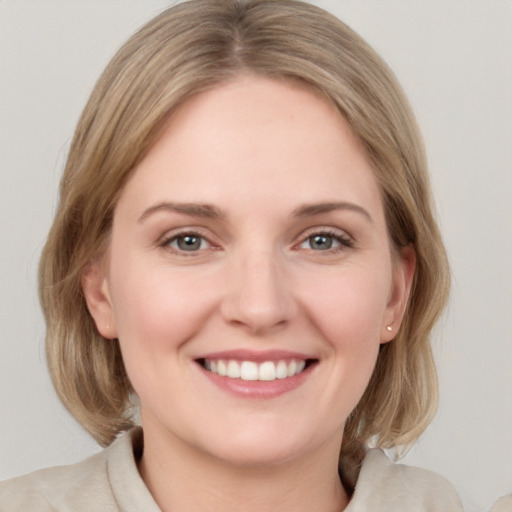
323,242
188,242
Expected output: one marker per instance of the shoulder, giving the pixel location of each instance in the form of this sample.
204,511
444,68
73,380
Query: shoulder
385,486
89,484
504,504
50,488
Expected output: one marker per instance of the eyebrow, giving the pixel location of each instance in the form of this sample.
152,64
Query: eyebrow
308,210
207,211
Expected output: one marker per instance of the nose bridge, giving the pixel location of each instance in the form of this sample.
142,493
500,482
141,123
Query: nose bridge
258,295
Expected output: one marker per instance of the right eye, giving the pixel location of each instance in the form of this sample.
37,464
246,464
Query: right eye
187,242
327,240
321,242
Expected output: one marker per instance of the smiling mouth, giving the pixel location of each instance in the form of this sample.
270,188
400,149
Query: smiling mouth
256,371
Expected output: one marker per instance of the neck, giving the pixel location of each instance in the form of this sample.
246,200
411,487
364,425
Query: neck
182,479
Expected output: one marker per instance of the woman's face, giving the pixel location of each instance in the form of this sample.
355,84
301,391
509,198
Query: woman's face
249,278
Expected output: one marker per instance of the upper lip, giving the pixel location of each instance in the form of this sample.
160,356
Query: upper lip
256,356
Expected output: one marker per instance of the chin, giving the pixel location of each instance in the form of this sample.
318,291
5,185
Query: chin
257,455
261,447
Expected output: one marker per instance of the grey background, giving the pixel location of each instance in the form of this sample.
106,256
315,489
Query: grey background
454,58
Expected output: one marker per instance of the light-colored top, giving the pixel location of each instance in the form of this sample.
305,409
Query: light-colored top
110,482
504,504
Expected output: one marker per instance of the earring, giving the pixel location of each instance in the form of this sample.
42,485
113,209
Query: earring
389,328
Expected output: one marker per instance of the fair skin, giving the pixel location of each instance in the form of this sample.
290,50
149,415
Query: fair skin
251,238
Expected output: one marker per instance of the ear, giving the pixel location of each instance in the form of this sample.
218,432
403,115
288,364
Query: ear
97,295
404,264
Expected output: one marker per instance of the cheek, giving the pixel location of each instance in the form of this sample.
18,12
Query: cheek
155,315
346,310
349,305
158,309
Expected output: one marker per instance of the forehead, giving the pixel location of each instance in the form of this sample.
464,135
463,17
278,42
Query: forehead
255,138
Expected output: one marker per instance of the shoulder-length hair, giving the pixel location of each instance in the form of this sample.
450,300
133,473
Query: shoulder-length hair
190,48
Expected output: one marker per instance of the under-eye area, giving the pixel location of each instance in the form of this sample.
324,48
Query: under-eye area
256,371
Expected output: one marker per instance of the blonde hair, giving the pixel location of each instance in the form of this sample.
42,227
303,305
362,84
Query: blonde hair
185,50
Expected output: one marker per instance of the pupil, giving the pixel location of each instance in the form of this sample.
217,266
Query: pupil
189,243
321,242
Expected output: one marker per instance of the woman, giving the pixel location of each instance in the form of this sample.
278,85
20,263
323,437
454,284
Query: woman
245,243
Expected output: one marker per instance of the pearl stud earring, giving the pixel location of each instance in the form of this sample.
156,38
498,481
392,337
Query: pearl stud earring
389,328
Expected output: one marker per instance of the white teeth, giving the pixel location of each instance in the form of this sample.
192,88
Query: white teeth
233,370
221,368
292,368
267,371
250,370
282,370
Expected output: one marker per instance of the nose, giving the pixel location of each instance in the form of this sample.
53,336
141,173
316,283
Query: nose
258,294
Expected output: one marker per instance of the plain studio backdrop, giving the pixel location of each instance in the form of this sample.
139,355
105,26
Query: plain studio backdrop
454,59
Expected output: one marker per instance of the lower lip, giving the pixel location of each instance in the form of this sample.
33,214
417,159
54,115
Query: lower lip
258,388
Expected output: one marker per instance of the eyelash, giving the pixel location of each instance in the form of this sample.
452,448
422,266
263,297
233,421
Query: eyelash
344,240
166,242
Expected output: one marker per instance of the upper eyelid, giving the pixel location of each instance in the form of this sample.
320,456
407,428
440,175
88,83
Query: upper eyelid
331,230
192,230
